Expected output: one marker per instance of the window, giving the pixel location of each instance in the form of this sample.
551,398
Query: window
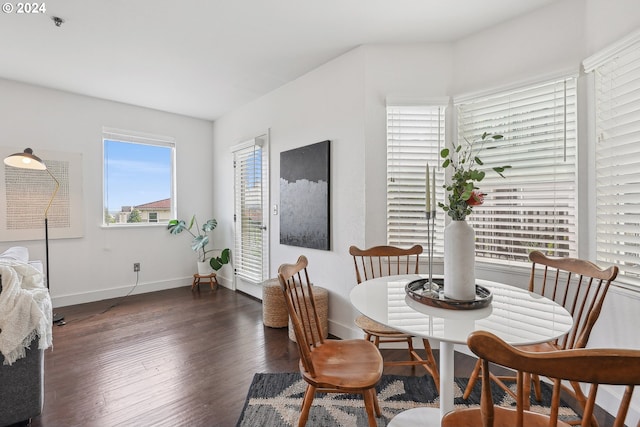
617,155
138,178
415,136
251,210
534,207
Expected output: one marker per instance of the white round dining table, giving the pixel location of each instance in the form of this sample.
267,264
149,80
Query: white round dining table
516,315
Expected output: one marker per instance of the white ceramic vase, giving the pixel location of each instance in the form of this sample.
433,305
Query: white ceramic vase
459,261
204,268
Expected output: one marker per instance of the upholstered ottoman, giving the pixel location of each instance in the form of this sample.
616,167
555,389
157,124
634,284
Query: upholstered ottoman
321,296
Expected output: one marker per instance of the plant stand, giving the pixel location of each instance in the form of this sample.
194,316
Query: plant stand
211,278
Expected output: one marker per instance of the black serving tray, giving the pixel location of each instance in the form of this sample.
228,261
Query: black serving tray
434,295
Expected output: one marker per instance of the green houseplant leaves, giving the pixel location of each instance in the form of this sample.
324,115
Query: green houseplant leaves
200,240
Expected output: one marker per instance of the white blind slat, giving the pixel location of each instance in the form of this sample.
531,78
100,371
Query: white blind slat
415,136
250,191
534,206
617,105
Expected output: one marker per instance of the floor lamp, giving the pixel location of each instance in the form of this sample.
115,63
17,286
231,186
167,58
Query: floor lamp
27,160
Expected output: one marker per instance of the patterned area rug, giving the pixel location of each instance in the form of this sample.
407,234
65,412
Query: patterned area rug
274,400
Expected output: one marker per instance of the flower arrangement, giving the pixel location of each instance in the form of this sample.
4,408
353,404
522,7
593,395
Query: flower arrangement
463,192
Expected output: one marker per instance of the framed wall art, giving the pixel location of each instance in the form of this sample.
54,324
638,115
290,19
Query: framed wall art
304,196
25,194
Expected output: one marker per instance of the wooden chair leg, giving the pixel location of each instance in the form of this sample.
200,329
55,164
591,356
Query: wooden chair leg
473,378
309,394
582,401
431,364
536,387
527,391
376,403
369,405
410,347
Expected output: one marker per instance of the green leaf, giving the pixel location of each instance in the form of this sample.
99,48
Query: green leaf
217,262
209,225
444,152
475,175
446,163
224,256
497,137
199,242
478,161
193,219
175,226
500,169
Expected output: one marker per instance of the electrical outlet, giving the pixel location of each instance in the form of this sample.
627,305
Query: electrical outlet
136,266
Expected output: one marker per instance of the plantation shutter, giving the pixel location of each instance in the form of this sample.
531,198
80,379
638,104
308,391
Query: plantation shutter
250,187
534,207
415,136
617,152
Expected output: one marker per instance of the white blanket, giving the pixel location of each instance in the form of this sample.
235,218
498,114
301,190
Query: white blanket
25,310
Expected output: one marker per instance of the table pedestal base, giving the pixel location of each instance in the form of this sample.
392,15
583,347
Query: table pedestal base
422,417
425,417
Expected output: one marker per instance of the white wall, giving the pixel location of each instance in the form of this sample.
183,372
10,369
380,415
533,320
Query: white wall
543,42
99,264
335,102
324,104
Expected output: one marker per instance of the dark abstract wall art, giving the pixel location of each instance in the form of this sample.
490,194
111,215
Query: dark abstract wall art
304,196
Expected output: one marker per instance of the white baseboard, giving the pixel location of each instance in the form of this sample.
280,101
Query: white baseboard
120,291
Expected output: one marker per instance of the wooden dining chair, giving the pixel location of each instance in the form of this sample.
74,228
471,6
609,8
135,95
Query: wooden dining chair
380,261
330,366
580,287
592,367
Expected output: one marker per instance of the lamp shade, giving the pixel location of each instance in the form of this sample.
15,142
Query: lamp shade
25,160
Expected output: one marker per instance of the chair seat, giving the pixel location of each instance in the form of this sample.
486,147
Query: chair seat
375,328
348,365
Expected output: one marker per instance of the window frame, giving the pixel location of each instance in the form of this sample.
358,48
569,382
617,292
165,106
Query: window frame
139,138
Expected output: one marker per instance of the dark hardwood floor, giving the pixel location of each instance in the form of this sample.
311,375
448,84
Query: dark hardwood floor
168,358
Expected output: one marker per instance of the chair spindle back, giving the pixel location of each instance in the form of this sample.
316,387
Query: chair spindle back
298,292
592,366
380,261
578,285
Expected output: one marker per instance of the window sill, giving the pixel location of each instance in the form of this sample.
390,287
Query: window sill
134,225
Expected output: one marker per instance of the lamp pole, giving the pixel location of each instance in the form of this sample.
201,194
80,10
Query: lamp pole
27,160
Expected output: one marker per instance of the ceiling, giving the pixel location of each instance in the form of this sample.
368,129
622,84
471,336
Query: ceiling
203,58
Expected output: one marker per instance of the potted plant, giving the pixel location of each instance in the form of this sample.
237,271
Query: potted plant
200,242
